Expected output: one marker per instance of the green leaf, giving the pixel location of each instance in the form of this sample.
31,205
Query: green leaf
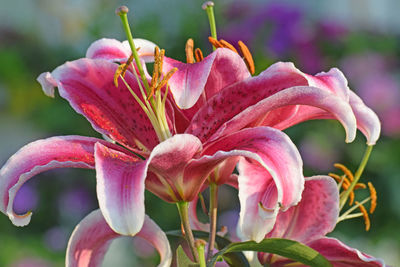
283,247
183,260
234,259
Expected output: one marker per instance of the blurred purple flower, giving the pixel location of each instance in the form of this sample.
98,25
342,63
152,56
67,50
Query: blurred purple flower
56,239
31,262
75,203
317,155
26,199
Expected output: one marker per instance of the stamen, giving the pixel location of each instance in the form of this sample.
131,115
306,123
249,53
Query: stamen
198,54
373,195
345,170
365,215
214,42
228,45
336,177
121,70
189,51
248,59
264,208
161,84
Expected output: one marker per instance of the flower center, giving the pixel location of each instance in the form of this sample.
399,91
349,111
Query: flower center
152,99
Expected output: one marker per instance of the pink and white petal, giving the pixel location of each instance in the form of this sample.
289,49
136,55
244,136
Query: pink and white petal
40,156
340,255
88,86
216,71
120,189
256,188
109,49
320,201
168,161
92,236
298,95
114,50
270,150
367,121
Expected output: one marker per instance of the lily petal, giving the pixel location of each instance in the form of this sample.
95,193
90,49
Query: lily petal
278,161
114,50
120,189
218,70
320,201
367,121
40,156
340,255
333,106
88,86
167,162
92,236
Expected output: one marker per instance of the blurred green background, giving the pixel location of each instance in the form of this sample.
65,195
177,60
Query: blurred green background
359,37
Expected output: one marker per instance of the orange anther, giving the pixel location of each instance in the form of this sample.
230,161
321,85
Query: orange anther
189,51
248,59
345,170
360,186
198,54
336,177
365,215
215,42
228,45
372,192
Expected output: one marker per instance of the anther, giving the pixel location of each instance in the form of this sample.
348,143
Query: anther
345,170
207,4
198,54
336,177
373,195
214,42
189,51
360,186
122,10
365,215
248,59
228,45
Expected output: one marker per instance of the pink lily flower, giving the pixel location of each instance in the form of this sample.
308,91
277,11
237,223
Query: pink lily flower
92,236
222,101
310,221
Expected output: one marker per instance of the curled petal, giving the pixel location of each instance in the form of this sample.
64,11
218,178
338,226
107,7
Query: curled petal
320,201
88,86
114,50
40,156
218,70
340,255
367,121
48,83
92,236
299,95
194,220
280,181
120,189
167,162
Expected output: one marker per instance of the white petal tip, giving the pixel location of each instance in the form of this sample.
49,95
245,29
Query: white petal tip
48,83
20,220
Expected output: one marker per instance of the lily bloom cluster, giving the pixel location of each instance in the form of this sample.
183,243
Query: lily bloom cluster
187,126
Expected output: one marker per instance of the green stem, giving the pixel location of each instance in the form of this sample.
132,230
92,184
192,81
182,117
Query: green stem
128,33
202,258
209,8
183,208
213,218
357,175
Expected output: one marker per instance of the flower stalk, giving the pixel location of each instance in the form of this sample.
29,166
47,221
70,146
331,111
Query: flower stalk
213,218
183,208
